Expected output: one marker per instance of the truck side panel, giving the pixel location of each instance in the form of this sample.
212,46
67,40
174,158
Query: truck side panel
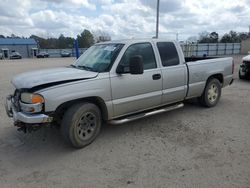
174,83
200,71
174,71
98,87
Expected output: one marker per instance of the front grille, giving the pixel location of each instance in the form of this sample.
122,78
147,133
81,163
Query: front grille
16,99
247,63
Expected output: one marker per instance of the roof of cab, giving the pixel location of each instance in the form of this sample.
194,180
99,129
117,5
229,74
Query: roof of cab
129,41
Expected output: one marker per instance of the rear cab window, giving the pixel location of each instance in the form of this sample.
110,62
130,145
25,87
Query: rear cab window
168,53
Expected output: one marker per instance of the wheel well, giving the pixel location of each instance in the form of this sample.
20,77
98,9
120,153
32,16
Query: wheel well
217,76
59,112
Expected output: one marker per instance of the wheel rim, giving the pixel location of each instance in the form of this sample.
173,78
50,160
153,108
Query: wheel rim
86,126
212,93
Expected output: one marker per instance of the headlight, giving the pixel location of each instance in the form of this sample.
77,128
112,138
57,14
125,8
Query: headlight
31,102
31,98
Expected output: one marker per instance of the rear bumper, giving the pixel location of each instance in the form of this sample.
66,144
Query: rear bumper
24,117
228,80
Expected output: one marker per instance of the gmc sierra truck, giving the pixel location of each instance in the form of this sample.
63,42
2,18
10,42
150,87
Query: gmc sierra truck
115,82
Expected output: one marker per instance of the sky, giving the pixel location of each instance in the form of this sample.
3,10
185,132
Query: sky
122,18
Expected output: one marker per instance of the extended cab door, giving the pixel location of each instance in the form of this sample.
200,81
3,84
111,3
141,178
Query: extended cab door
174,73
132,93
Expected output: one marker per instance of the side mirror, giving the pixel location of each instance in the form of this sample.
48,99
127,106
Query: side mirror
120,69
136,65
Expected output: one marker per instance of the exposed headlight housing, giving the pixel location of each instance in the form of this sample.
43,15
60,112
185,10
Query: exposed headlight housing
31,102
32,98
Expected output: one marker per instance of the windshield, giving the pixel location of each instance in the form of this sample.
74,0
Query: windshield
98,58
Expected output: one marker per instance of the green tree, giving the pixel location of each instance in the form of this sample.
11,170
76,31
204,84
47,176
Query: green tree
244,36
231,37
206,37
69,42
225,38
85,39
214,37
61,42
65,42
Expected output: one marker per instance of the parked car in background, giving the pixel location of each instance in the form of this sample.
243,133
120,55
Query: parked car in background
1,55
42,55
127,80
244,71
65,54
15,55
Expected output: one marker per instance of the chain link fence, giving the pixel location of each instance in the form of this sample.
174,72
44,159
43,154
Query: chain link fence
57,52
211,49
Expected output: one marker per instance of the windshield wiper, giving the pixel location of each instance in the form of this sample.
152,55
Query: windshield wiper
85,68
81,67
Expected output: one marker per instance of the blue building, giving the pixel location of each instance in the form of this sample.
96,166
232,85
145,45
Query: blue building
26,47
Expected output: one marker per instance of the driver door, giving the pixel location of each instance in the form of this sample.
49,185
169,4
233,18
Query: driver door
133,93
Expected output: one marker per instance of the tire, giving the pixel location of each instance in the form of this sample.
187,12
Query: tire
211,94
81,124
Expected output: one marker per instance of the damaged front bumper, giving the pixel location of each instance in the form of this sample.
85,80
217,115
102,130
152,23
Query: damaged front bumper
22,117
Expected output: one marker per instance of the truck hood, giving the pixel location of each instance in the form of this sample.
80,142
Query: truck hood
32,79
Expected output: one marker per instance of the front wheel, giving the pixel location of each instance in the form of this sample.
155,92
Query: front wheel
211,94
81,124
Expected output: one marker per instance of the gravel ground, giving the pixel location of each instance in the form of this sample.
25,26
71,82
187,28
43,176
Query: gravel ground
189,147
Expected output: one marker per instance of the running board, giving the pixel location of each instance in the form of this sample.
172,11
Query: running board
145,114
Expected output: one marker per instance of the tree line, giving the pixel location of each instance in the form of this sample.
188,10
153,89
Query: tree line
230,37
85,40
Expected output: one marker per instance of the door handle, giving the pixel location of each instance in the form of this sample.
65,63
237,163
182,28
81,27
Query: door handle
156,76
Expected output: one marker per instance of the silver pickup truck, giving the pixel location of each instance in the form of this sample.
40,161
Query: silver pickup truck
115,82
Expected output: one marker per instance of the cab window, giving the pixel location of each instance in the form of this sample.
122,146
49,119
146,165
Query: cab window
168,53
143,49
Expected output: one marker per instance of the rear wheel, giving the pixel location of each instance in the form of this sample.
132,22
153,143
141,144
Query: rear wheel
211,94
81,124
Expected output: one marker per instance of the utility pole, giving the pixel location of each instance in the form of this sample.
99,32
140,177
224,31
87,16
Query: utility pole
157,19
177,36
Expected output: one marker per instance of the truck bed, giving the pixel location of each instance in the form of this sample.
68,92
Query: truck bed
197,58
200,69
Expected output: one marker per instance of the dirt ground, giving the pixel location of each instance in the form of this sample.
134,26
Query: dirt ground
190,147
